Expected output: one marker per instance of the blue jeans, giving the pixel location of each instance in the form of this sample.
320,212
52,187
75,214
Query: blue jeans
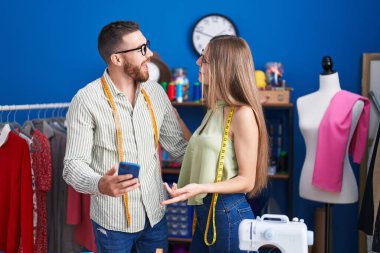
230,210
145,241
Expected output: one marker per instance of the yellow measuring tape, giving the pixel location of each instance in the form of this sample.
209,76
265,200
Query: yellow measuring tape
218,179
119,135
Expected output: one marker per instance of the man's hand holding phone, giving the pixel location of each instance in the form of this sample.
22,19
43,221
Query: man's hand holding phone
117,185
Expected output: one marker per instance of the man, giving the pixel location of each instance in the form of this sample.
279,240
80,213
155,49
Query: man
119,117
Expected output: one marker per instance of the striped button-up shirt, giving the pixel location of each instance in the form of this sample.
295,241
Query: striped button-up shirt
92,150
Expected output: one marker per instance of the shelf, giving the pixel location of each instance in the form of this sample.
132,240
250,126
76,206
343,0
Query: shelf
279,176
187,104
174,171
178,239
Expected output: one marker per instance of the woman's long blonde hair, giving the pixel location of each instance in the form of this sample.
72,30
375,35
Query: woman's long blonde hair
231,77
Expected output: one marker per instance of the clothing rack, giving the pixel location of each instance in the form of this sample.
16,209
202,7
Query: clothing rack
373,97
47,152
33,106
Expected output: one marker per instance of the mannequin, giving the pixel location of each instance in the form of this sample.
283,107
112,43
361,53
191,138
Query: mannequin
311,109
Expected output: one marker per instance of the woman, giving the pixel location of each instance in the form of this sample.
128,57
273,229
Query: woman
227,74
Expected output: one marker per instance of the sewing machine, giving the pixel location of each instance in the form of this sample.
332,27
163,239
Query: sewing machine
271,229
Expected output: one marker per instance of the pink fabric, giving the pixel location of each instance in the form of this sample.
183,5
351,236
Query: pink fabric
333,134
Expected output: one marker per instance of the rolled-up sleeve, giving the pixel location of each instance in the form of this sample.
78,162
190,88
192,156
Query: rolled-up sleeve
171,136
80,136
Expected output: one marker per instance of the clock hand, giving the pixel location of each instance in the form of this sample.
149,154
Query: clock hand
205,34
221,32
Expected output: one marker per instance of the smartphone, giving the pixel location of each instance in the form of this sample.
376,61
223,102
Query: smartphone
129,168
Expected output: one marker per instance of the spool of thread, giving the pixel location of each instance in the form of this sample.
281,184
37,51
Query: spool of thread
179,93
197,92
165,86
190,92
171,91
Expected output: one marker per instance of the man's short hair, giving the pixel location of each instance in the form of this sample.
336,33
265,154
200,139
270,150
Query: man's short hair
111,36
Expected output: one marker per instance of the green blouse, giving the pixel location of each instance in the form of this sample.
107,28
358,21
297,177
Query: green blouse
202,154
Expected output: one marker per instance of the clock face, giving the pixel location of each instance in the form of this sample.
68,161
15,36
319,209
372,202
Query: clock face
154,71
210,26
158,70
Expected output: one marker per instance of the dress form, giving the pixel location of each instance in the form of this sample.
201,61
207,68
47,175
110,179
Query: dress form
311,109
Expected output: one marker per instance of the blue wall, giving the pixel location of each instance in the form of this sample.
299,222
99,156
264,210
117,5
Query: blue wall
48,51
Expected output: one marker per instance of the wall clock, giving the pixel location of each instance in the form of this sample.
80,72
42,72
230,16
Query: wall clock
210,26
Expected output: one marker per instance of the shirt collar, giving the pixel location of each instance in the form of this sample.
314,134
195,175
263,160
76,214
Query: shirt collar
220,103
111,85
113,88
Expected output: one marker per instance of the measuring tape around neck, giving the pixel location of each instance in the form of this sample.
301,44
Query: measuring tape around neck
119,135
218,179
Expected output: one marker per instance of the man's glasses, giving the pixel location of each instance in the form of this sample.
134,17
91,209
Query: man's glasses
142,49
203,57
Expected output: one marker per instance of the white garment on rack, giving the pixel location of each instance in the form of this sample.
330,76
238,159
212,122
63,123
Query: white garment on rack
4,134
27,139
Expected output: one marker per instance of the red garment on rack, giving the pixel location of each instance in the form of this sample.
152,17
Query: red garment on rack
42,172
16,196
78,214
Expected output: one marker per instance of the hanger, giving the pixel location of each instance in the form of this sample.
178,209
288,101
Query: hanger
1,119
45,112
15,125
61,116
28,124
5,129
54,118
17,129
57,122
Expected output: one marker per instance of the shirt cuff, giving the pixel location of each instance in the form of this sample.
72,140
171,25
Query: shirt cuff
94,181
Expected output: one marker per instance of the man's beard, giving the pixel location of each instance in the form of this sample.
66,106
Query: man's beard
136,73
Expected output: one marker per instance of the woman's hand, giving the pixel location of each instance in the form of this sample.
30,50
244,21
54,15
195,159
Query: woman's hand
183,193
171,190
